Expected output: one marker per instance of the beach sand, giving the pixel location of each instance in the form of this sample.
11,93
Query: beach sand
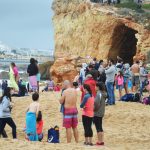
126,125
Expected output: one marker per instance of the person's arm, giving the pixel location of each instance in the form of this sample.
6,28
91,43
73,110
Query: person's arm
62,99
28,69
85,99
96,100
109,70
27,109
38,108
6,105
142,74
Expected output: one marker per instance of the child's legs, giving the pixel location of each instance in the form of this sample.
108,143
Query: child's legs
120,92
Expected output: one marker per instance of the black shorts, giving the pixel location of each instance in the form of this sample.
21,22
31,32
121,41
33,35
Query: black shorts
98,123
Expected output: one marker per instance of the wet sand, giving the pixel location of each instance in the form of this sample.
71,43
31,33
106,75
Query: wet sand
126,125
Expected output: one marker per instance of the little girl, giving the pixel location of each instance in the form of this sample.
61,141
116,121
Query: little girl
32,111
119,83
39,126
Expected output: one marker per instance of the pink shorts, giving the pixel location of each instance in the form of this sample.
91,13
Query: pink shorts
70,118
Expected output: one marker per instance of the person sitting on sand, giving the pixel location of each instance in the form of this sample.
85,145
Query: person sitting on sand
39,126
32,112
87,114
50,85
5,113
99,111
70,120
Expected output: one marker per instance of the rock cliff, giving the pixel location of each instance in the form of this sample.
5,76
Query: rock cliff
84,29
99,31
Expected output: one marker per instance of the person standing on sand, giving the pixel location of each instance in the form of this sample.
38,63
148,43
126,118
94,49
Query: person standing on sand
31,114
38,76
135,69
32,70
15,71
70,120
5,114
110,78
99,111
87,114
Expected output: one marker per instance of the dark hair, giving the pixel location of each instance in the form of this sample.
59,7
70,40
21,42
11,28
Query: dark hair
36,61
39,117
35,96
101,86
100,62
112,61
75,84
13,64
6,93
32,60
121,74
87,87
91,66
95,59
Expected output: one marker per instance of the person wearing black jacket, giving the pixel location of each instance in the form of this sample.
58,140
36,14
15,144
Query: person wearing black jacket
32,70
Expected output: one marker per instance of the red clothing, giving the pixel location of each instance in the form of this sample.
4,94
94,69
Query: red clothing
39,127
88,109
92,83
15,70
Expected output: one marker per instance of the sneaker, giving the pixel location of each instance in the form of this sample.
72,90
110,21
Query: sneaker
90,144
100,144
85,143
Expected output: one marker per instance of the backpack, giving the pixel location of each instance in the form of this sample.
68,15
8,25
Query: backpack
127,97
146,100
53,135
137,97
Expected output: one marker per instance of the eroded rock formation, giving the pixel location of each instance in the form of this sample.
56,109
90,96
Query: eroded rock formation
66,68
82,29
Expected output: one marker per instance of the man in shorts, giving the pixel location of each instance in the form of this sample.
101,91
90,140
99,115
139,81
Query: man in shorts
135,69
70,120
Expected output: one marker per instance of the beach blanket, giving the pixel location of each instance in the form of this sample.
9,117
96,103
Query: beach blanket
31,126
33,83
13,83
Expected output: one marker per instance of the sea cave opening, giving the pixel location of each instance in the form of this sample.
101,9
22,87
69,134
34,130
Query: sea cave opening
124,43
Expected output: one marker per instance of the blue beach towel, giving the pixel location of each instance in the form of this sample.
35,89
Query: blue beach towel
31,126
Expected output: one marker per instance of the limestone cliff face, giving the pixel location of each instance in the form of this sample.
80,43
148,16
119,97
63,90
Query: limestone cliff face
85,30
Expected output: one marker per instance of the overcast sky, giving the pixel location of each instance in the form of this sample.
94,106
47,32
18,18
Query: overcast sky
26,23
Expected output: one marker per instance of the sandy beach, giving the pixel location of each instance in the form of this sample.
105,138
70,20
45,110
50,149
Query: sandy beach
126,125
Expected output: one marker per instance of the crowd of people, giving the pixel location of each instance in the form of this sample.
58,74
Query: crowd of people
97,82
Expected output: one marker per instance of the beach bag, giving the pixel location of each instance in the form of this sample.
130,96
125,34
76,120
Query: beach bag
137,97
53,135
127,97
146,100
